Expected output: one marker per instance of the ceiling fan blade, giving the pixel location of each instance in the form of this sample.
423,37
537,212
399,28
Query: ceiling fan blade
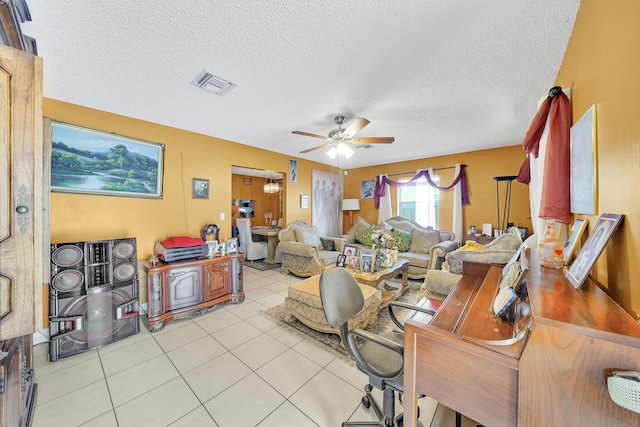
356,126
384,140
316,148
297,132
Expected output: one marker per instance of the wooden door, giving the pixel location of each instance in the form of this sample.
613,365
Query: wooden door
218,283
184,287
21,186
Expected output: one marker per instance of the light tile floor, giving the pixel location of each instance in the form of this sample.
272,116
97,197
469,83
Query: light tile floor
229,367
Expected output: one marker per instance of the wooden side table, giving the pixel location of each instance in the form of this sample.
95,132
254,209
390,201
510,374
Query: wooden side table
378,279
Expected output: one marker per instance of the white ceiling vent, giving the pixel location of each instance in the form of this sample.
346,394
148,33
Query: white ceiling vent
211,83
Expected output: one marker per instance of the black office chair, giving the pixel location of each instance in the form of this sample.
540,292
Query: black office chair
380,356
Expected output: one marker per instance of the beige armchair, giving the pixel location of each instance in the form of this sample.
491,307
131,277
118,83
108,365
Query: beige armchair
303,252
438,283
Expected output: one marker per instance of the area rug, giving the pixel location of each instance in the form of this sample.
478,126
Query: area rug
261,265
331,342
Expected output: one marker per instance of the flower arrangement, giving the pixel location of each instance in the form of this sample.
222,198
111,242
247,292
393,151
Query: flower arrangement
382,238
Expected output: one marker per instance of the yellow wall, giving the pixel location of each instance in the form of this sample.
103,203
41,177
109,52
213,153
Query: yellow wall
80,217
602,67
482,166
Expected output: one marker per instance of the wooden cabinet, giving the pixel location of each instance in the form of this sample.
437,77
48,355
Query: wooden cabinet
553,372
186,288
17,389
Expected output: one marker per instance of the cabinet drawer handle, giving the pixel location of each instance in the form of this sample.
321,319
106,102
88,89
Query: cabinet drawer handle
22,209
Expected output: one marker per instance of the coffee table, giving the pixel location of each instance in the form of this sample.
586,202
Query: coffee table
378,279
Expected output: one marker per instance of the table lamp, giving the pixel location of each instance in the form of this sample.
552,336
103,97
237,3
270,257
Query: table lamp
351,205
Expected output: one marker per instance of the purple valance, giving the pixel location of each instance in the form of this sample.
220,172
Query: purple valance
462,178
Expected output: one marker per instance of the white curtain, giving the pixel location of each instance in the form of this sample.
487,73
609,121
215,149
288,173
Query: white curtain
384,210
425,195
457,207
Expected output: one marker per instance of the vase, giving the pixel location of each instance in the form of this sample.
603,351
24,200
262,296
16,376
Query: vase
394,254
550,249
383,259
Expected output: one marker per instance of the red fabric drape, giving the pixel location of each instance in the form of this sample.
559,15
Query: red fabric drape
555,202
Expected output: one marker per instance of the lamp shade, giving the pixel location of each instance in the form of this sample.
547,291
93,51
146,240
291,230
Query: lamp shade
351,204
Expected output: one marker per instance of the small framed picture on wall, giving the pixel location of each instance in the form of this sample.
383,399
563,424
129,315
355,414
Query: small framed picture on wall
367,188
293,171
200,188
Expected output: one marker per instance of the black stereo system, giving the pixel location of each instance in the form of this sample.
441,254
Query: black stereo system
93,295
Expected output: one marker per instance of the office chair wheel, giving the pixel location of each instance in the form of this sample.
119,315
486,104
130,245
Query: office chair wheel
366,402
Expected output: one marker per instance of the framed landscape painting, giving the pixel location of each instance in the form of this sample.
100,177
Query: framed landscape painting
93,162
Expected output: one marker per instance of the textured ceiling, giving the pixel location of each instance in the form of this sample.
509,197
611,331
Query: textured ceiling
440,76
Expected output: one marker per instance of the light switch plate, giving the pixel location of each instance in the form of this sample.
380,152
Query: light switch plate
221,216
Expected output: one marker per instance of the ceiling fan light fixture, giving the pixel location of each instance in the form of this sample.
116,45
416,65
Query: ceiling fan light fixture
344,150
332,152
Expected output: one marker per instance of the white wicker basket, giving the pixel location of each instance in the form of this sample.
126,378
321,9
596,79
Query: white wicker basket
625,392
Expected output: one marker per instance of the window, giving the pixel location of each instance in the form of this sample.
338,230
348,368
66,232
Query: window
419,202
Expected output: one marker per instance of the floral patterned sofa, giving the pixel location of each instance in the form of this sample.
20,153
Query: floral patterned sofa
424,247
303,252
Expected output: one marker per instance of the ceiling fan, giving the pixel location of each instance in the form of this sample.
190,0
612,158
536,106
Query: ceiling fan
341,138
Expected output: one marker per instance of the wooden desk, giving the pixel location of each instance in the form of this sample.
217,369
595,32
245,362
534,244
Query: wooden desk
554,375
272,241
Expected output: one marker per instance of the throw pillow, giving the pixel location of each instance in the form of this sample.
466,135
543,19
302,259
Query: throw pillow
308,235
401,240
365,238
358,228
471,245
423,240
328,244
384,226
510,240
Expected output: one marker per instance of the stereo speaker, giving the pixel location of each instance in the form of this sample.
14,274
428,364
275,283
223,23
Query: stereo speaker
93,295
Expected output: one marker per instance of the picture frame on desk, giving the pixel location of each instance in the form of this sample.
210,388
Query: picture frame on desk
232,245
589,253
213,248
350,250
577,230
366,262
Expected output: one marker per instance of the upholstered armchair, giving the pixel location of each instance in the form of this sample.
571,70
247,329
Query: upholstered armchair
438,283
304,253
